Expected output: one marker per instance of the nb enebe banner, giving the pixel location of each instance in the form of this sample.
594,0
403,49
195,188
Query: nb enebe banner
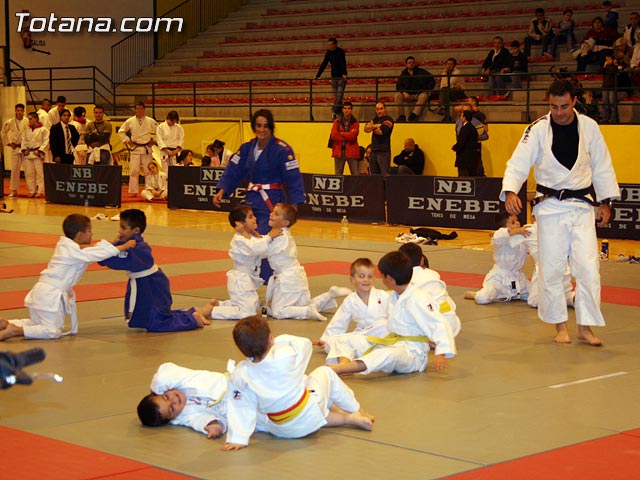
73,184
625,215
450,202
360,198
194,187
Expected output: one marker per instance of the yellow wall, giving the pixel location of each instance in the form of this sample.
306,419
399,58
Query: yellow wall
309,141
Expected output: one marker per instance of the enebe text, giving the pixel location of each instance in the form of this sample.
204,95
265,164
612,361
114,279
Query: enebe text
53,24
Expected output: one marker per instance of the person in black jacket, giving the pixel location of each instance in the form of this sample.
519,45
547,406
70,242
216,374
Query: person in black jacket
413,85
498,61
63,137
338,60
410,161
466,147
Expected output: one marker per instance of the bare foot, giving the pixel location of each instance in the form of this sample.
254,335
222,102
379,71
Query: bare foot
563,333
312,312
200,319
360,420
470,295
3,323
208,308
11,330
586,335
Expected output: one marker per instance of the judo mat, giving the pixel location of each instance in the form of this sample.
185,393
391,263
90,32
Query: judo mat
512,404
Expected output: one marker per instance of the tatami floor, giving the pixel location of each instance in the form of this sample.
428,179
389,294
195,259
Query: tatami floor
510,393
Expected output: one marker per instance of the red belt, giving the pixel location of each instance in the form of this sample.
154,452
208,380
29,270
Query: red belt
261,187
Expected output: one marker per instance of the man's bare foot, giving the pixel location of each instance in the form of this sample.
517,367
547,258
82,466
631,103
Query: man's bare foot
470,295
11,330
586,335
360,420
563,333
200,319
208,308
3,323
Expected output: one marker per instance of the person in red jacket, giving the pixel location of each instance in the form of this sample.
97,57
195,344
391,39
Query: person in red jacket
344,137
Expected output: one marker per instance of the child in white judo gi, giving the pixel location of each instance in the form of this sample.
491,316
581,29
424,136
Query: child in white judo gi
429,281
156,186
247,249
414,322
191,398
367,307
532,249
288,293
52,297
505,281
270,392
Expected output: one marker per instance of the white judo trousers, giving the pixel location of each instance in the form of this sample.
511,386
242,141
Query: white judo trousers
569,234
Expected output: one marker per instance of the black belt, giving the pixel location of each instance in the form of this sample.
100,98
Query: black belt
563,194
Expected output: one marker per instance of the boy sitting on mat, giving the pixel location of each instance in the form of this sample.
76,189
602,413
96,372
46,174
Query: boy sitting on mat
270,392
414,321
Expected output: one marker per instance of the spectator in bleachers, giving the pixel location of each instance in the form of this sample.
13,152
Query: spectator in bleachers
98,138
344,136
338,60
380,128
519,64
632,38
614,82
540,33
611,16
564,33
466,146
597,44
414,85
498,61
170,140
452,87
410,161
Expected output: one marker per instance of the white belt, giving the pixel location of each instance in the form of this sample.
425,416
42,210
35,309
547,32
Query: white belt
133,290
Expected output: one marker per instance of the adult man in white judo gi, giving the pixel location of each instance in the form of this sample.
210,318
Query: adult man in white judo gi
568,154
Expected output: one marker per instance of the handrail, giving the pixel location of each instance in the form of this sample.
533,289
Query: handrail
137,51
92,85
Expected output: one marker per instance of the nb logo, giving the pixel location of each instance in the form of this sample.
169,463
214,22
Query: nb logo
210,175
82,173
452,186
328,184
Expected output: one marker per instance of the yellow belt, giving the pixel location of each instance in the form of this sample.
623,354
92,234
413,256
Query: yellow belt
292,412
393,338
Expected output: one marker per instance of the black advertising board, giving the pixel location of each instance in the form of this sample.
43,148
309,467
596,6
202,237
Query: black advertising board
194,187
330,197
450,202
625,215
99,186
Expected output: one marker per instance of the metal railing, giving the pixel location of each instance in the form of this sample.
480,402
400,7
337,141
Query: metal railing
289,98
139,50
86,84
307,97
